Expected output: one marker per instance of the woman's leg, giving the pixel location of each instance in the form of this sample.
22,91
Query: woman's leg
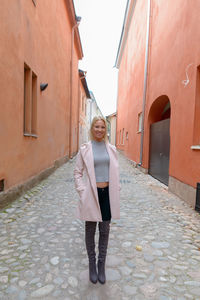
104,228
90,229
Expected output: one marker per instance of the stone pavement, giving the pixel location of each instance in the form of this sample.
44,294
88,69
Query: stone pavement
153,249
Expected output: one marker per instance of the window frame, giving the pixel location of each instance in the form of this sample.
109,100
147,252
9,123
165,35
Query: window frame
30,103
139,122
196,124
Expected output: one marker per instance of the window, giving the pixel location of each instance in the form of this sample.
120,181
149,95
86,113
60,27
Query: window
120,137
123,137
140,122
1,185
34,104
127,135
30,102
27,104
196,133
117,138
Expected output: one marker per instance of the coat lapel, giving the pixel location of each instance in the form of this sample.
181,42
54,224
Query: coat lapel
110,153
87,155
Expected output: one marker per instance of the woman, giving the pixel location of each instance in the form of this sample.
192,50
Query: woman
99,194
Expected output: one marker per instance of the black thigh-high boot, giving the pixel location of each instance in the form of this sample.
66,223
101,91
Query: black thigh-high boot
104,228
90,229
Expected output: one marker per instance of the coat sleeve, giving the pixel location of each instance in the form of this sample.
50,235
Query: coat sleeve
78,173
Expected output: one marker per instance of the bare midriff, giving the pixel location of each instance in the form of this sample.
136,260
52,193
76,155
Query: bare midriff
102,184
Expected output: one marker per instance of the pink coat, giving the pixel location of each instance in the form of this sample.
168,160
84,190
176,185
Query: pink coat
88,207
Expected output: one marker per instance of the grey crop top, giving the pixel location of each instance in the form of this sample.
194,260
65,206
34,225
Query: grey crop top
101,161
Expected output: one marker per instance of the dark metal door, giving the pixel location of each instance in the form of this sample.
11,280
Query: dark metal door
159,150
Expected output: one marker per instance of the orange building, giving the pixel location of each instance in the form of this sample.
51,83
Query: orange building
158,114
39,45
84,102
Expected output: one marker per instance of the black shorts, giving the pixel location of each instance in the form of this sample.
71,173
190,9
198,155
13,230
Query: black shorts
104,202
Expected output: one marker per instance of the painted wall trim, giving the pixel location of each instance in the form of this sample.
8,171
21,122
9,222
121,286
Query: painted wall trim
195,147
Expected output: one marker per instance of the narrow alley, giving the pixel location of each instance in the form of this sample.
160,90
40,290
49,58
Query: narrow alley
153,249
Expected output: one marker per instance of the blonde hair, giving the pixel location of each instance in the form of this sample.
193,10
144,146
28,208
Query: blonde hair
94,120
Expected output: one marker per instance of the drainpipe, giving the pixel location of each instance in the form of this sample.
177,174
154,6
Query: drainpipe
145,81
78,19
78,112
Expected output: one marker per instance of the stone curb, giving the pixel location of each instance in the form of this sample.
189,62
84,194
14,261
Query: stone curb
10,195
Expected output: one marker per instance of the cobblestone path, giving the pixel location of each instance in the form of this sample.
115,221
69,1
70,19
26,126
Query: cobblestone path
153,249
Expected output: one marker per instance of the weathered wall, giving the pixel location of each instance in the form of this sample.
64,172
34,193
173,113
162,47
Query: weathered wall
130,87
75,104
174,50
39,36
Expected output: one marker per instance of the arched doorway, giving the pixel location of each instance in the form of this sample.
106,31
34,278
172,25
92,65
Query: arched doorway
159,148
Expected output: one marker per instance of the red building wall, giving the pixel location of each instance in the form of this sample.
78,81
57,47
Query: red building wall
130,83
40,36
174,57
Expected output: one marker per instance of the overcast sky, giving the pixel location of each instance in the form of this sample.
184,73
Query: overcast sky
100,31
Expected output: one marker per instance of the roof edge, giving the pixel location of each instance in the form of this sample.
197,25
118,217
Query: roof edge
82,76
71,9
130,8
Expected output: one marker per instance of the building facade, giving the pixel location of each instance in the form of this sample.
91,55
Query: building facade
158,113
83,107
92,110
40,48
112,120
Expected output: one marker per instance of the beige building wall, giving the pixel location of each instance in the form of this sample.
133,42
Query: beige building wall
112,120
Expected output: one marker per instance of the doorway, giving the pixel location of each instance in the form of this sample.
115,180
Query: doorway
159,150
159,145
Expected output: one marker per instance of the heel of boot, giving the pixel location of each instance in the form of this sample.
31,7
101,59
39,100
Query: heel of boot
101,272
93,272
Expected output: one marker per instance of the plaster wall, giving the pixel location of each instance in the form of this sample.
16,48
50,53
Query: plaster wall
75,104
39,36
174,56
130,83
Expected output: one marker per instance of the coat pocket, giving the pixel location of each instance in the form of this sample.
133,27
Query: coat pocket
81,192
